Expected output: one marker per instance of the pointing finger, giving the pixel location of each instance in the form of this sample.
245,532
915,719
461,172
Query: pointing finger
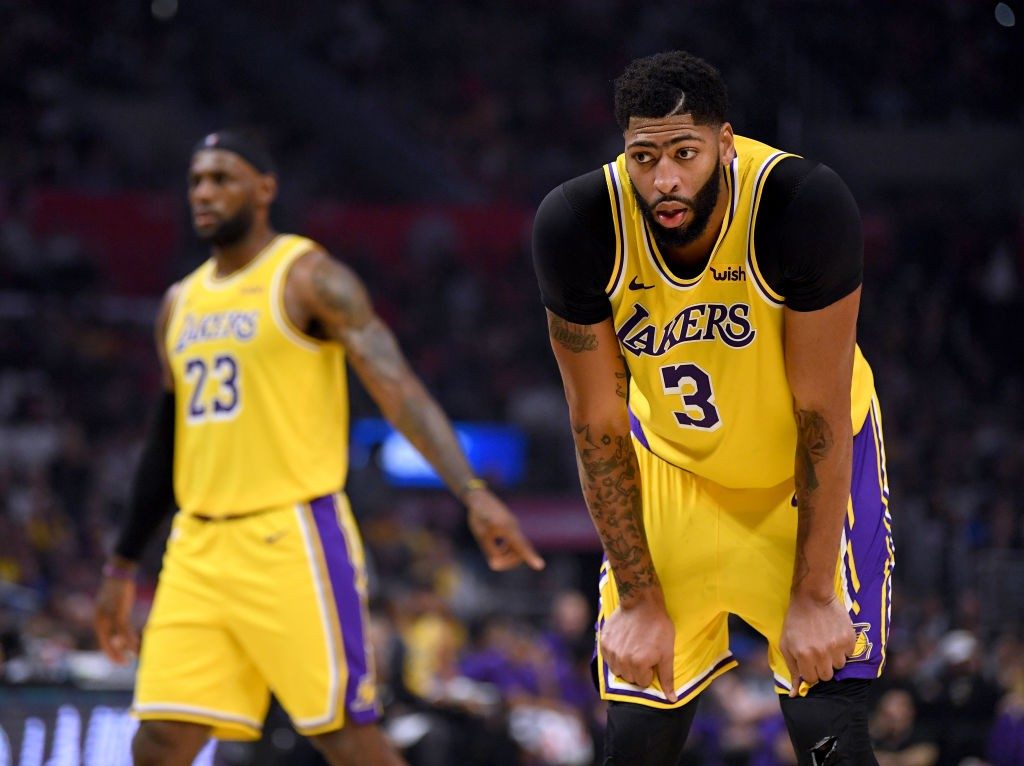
666,677
794,674
527,552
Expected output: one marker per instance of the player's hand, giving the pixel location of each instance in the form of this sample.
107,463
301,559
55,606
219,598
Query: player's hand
112,620
497,532
817,637
638,643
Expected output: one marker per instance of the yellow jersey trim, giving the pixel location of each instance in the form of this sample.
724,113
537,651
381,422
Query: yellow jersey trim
615,196
770,296
176,304
278,312
215,283
654,253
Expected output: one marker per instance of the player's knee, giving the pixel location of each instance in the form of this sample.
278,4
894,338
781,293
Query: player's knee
637,735
831,723
167,743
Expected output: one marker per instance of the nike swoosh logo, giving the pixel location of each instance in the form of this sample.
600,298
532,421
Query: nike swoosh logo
271,539
634,285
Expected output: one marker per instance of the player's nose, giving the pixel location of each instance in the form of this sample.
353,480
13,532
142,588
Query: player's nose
666,180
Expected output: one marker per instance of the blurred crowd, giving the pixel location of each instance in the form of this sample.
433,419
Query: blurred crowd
478,668
508,96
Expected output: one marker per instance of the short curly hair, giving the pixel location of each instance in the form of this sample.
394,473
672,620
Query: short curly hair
671,83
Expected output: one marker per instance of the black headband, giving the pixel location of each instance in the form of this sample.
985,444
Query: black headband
248,149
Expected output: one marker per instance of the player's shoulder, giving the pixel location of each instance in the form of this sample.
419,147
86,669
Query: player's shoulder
169,300
171,295
297,244
577,214
582,197
795,176
316,272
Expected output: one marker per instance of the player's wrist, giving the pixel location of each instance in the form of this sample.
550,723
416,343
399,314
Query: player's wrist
820,594
470,485
642,597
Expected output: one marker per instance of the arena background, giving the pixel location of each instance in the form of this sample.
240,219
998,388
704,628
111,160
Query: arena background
414,140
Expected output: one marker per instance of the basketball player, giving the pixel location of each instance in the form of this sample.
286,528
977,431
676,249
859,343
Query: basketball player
702,294
263,586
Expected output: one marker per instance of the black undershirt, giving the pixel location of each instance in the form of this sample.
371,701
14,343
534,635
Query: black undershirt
807,239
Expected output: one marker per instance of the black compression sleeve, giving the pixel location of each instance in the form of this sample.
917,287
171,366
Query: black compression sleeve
574,249
152,492
807,236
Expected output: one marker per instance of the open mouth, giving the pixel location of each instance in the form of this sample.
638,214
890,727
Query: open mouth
670,217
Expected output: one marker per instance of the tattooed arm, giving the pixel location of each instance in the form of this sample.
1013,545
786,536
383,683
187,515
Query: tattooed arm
326,293
637,639
818,633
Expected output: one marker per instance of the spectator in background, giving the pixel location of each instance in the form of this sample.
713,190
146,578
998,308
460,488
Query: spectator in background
962,701
895,734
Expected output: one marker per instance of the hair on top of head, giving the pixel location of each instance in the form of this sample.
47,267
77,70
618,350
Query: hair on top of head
668,84
245,142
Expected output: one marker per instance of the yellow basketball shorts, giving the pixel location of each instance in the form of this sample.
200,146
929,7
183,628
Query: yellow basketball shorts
269,602
722,551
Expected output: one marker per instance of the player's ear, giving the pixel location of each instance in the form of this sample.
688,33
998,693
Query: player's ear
726,146
266,189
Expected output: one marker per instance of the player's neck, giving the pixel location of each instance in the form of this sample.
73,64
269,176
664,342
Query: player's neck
698,251
240,254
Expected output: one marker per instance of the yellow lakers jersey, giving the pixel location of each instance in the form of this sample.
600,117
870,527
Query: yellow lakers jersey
708,386
261,408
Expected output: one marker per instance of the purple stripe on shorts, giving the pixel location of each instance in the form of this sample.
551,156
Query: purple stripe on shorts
871,543
688,689
637,429
348,603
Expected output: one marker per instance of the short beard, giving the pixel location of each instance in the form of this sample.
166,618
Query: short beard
701,206
232,231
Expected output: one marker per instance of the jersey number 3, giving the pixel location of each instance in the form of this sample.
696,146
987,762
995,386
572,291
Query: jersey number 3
693,386
225,400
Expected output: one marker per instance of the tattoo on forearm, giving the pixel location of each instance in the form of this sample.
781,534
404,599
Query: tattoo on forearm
622,382
610,477
376,356
424,424
814,442
573,337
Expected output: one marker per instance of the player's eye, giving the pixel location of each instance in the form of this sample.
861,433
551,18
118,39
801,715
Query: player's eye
686,154
642,157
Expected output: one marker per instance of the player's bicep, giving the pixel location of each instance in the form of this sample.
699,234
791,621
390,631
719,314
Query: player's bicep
592,367
819,351
331,293
337,299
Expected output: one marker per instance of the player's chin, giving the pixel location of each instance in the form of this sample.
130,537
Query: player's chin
206,230
677,229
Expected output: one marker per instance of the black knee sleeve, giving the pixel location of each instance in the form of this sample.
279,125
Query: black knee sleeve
638,735
829,727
